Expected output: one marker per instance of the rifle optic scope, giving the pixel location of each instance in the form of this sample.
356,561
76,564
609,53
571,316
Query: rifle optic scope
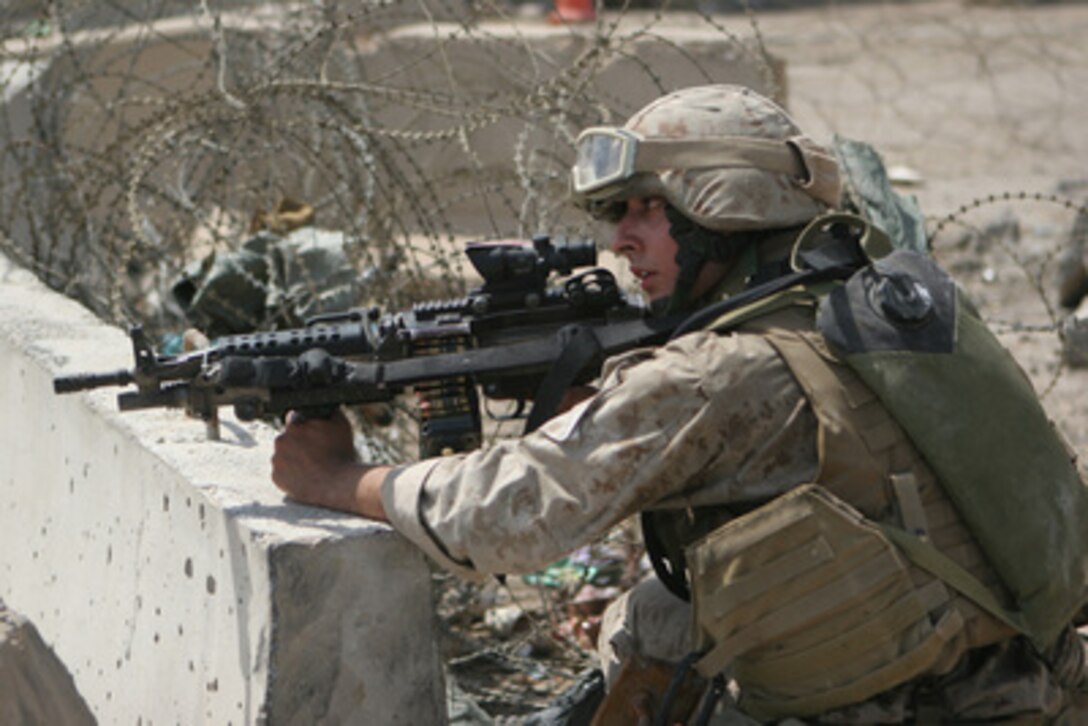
505,261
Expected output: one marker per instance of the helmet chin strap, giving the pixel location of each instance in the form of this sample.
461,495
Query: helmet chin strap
696,245
691,261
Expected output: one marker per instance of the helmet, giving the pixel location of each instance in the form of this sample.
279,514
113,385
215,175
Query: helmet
725,157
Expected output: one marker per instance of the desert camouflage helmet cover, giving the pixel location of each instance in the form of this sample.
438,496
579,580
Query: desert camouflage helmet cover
722,194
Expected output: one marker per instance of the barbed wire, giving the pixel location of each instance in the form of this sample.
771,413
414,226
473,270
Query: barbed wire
1067,203
135,143
1034,272
281,80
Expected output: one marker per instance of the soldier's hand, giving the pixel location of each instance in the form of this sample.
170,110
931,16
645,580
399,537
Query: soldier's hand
312,456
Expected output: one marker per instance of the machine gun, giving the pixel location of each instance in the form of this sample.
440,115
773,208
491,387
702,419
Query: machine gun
515,337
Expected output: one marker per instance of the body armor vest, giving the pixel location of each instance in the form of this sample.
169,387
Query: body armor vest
804,633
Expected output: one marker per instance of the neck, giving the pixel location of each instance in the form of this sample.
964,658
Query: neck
751,264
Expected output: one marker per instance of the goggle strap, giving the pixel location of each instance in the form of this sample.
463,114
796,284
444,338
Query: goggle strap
776,156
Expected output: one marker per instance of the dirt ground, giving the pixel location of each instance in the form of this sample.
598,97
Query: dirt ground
980,109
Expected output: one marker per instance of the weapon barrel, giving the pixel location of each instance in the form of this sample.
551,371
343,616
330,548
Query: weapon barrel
86,381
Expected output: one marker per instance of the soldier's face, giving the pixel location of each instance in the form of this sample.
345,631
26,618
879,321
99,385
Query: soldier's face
642,237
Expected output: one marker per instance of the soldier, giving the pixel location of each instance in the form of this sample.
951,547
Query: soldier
817,536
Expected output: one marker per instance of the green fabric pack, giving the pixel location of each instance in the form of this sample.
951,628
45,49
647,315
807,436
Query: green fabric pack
903,325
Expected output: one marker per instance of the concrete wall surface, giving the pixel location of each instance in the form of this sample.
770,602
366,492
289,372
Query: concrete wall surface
167,572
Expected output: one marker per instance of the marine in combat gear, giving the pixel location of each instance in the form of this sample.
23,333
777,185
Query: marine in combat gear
826,507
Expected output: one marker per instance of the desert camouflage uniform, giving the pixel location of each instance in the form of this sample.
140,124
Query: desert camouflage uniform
705,420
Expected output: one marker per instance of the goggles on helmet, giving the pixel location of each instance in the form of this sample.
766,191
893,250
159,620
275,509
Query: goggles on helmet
609,156
605,156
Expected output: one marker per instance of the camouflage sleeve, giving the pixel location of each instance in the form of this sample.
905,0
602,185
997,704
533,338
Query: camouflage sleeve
706,419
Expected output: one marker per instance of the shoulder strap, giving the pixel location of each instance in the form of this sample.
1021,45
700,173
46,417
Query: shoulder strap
929,558
671,570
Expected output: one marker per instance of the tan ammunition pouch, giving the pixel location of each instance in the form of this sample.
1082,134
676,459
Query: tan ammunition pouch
813,607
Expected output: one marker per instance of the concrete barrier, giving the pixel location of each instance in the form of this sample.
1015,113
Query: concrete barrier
166,571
